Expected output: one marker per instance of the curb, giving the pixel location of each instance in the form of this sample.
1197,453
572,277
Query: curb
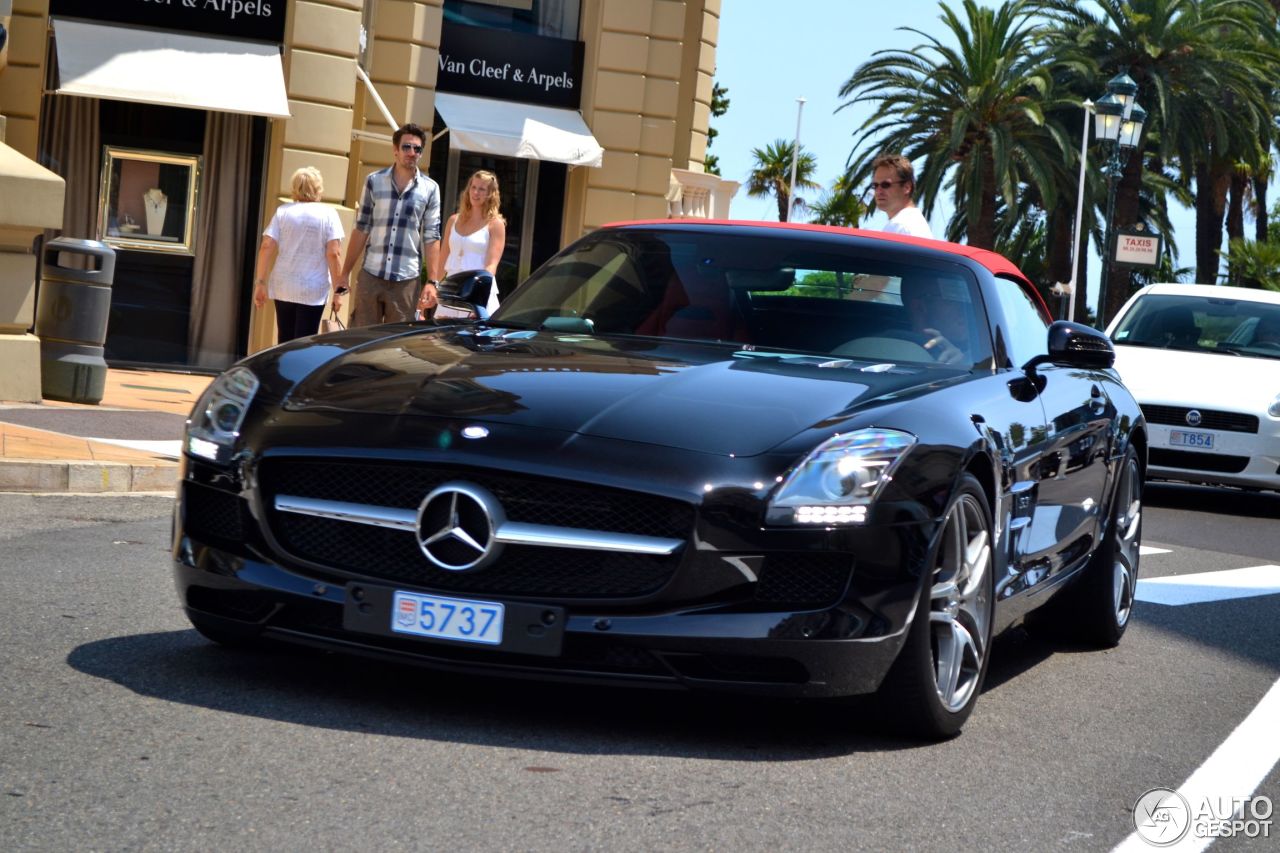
91,477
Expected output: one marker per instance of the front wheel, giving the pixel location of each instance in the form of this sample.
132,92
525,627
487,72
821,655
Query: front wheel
933,685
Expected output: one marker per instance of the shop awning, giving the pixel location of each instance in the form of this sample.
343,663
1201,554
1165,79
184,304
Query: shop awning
168,68
509,129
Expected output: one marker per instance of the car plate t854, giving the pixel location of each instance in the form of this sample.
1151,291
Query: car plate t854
1184,438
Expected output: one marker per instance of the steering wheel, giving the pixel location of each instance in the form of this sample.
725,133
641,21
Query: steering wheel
1271,345
884,349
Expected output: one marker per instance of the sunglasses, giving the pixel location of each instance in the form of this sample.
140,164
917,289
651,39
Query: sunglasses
406,146
883,185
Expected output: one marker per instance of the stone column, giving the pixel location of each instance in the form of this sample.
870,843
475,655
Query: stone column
31,200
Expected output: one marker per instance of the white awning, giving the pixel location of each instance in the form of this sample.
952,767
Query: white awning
168,68
509,129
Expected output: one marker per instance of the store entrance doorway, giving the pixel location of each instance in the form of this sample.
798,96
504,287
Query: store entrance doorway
532,203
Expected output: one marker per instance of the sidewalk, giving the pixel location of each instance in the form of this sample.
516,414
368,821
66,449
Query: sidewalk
130,442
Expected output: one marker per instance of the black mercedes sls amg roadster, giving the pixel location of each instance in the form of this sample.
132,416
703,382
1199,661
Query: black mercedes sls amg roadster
789,460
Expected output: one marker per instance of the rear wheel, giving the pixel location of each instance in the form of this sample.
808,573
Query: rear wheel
1107,592
934,684
1096,610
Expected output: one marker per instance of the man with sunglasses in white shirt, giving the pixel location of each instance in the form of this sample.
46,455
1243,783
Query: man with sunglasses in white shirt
894,183
396,236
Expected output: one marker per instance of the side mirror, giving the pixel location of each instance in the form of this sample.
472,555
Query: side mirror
464,296
1075,345
471,286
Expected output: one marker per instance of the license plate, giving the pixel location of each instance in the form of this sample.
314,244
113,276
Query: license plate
1182,438
446,618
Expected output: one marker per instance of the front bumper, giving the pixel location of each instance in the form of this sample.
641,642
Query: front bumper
839,650
1244,460
802,613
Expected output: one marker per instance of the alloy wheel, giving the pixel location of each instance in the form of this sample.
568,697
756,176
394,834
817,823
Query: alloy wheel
1125,527
959,603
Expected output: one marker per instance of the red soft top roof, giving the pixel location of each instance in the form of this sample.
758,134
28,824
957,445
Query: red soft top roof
996,263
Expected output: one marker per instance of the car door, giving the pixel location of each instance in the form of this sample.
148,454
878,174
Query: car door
1062,496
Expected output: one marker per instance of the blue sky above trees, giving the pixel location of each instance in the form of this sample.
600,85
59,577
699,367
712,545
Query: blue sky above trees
768,60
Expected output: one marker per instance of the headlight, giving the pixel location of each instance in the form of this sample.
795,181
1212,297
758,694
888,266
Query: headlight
838,481
1274,408
217,418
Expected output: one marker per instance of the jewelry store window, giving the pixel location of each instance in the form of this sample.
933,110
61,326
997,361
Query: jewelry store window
148,200
551,18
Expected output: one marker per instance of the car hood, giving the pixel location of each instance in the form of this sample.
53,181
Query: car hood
1207,380
700,397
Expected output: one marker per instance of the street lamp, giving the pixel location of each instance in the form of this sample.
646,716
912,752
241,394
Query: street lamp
1118,121
1068,288
795,155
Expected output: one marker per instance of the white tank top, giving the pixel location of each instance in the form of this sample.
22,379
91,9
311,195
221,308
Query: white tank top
466,252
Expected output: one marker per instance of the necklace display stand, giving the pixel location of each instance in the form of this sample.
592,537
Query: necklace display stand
156,203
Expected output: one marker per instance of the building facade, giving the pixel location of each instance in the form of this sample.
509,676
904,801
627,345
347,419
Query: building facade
177,125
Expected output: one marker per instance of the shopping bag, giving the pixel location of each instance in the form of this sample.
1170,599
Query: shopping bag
331,323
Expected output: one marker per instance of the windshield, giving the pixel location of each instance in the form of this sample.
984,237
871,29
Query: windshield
784,293
1202,324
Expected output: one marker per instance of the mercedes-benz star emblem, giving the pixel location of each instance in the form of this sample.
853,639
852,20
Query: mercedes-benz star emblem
1193,418
457,523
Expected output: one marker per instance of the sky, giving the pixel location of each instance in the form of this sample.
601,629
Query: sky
768,58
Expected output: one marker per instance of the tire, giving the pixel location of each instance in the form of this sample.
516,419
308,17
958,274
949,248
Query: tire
1096,610
1107,591
223,633
933,685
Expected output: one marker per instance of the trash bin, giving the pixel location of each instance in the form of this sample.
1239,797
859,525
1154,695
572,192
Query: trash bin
72,309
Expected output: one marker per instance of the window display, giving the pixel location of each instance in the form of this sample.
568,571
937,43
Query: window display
148,200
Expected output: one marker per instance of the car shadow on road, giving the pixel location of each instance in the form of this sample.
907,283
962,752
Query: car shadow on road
335,691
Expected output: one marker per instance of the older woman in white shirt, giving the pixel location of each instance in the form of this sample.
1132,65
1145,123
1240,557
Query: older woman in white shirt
475,236
300,259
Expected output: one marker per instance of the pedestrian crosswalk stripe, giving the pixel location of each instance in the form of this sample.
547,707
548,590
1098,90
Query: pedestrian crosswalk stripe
1177,590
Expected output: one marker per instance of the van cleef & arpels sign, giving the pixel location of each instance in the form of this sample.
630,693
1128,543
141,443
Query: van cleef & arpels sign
510,66
262,20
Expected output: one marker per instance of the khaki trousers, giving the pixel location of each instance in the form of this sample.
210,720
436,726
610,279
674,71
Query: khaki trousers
378,300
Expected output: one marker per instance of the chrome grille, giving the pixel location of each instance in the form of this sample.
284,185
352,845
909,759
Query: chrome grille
533,500
394,555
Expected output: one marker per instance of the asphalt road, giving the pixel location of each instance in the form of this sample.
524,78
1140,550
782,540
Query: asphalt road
121,729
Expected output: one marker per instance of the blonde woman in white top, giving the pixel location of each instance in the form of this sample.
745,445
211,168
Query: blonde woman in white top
300,259
475,236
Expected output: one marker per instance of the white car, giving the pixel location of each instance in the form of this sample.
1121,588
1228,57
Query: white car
1204,364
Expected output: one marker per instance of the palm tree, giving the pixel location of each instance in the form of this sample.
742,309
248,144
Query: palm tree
841,205
1254,264
772,174
971,115
1188,57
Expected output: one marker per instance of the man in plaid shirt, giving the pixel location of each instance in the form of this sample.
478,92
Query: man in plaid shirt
397,229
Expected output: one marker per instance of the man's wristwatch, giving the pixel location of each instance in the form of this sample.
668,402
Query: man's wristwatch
432,281
341,291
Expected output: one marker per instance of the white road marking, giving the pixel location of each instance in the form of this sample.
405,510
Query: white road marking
1229,776
1177,590
1145,550
172,449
